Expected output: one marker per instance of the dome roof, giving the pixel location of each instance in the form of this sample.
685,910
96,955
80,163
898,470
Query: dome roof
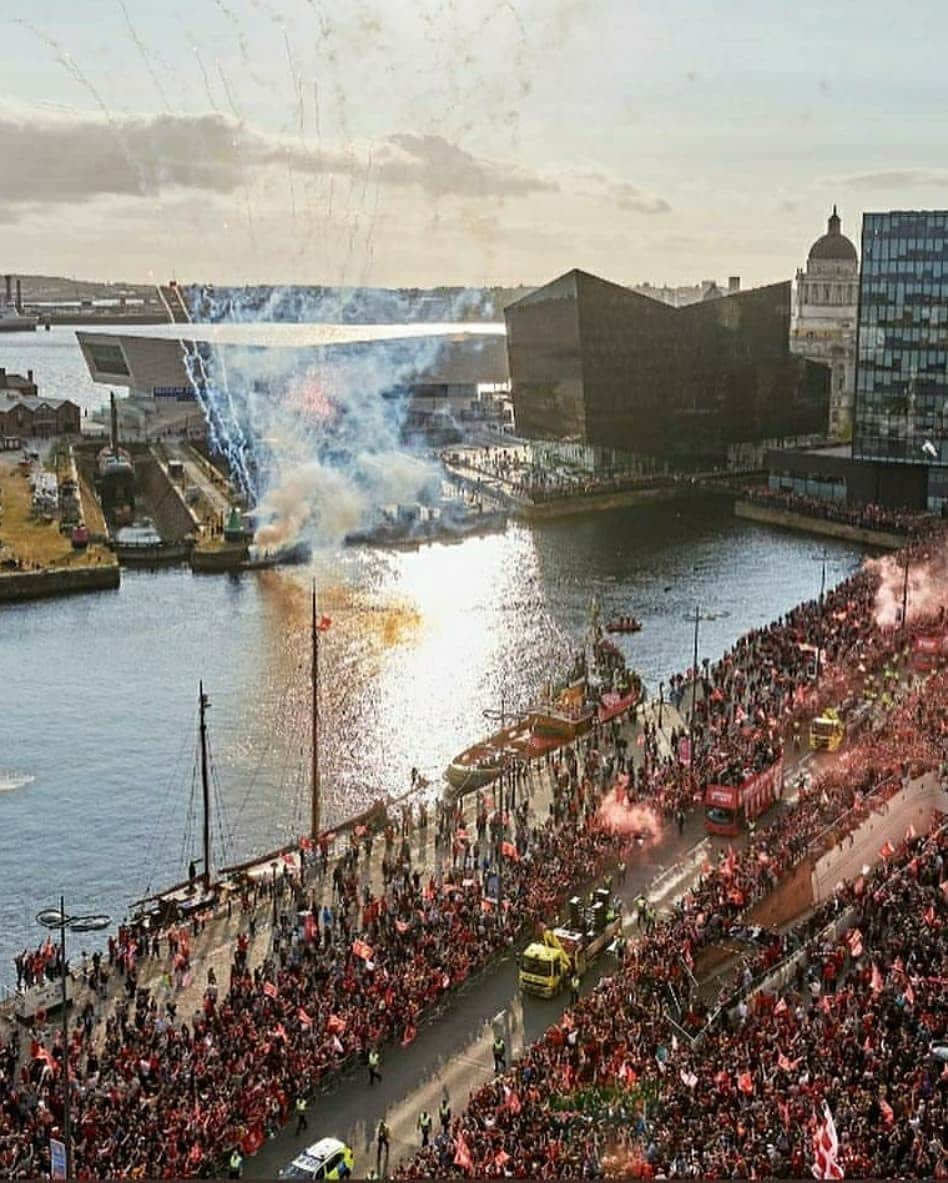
834,246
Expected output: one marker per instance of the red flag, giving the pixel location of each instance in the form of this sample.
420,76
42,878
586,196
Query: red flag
929,916
510,851
335,1024
309,928
826,1148
323,623
745,1083
854,940
361,949
410,1033
501,1157
270,990
887,1111
781,1007
305,1020
876,979
886,850
252,1141
462,1155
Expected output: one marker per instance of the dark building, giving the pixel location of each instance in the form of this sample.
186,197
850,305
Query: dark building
594,361
901,404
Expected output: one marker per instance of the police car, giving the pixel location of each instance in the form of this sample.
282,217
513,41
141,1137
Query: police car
326,1159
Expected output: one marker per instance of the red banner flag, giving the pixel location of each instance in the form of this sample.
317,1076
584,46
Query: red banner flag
335,1024
361,949
462,1155
305,1020
888,1114
876,979
508,850
270,990
745,1082
781,1007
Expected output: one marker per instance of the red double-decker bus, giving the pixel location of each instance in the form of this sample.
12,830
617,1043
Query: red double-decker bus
728,808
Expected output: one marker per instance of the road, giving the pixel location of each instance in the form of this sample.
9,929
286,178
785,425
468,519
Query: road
452,1052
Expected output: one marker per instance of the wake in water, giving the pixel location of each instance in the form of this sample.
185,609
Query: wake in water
10,782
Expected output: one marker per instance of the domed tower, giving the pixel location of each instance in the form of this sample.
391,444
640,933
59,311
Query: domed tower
824,321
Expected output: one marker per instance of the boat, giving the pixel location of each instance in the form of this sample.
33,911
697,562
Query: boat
624,624
14,321
599,689
115,478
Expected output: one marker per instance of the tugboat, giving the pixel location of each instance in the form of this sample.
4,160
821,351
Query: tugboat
598,688
624,624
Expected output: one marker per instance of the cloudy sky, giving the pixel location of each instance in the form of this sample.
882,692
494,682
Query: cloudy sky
417,142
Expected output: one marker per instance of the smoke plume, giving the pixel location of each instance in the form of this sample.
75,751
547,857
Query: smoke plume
618,815
924,585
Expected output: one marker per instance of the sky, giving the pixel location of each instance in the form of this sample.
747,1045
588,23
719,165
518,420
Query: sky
426,142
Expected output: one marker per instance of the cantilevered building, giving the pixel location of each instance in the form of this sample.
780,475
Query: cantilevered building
596,362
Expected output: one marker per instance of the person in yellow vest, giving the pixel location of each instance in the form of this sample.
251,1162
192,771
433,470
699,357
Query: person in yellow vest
235,1164
574,988
301,1123
444,1113
500,1054
424,1127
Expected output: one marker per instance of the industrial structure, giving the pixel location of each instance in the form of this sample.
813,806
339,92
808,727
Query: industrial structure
685,387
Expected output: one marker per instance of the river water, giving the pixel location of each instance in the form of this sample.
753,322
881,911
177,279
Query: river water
99,786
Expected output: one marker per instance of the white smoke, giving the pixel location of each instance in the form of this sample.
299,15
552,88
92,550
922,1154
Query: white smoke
314,435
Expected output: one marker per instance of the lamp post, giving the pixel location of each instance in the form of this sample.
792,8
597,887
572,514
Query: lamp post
52,918
819,632
696,619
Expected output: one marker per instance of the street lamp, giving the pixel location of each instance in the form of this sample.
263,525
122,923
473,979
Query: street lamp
696,619
52,918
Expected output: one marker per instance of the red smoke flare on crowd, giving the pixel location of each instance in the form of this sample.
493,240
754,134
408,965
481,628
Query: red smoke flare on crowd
618,815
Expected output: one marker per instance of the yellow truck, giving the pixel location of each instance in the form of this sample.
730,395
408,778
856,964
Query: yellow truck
827,731
546,965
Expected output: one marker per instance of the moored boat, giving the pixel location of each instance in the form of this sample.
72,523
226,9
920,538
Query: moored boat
624,624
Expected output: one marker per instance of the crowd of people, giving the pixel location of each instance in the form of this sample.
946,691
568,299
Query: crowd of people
154,1095
911,523
622,1087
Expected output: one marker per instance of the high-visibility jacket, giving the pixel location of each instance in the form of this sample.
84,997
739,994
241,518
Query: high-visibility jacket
374,1059
499,1046
235,1160
424,1120
300,1105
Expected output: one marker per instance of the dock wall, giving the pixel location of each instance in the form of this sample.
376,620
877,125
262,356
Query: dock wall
773,515
57,581
593,502
174,518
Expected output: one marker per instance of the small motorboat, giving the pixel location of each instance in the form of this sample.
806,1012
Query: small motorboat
624,624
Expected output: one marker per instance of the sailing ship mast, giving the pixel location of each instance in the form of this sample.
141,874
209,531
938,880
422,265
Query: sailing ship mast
314,788
206,789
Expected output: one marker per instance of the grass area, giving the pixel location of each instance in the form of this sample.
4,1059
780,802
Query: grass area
34,542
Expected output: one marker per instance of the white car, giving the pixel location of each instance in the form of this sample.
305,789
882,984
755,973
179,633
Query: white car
326,1159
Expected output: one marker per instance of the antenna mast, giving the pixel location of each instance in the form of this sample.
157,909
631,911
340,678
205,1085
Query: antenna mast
314,816
206,790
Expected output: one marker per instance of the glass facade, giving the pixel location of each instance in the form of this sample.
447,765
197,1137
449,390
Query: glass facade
901,406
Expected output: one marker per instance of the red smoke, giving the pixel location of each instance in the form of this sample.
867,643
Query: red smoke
927,585
617,815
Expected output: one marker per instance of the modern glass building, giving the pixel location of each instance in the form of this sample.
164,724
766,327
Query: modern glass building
901,403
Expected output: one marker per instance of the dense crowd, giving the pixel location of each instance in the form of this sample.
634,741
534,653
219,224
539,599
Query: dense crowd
158,1096
619,1087
868,517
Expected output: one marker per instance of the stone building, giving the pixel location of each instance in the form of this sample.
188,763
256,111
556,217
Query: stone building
823,327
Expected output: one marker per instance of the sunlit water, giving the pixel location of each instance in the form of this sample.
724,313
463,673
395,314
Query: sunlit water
99,794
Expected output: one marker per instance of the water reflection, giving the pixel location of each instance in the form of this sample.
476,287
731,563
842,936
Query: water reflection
101,691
